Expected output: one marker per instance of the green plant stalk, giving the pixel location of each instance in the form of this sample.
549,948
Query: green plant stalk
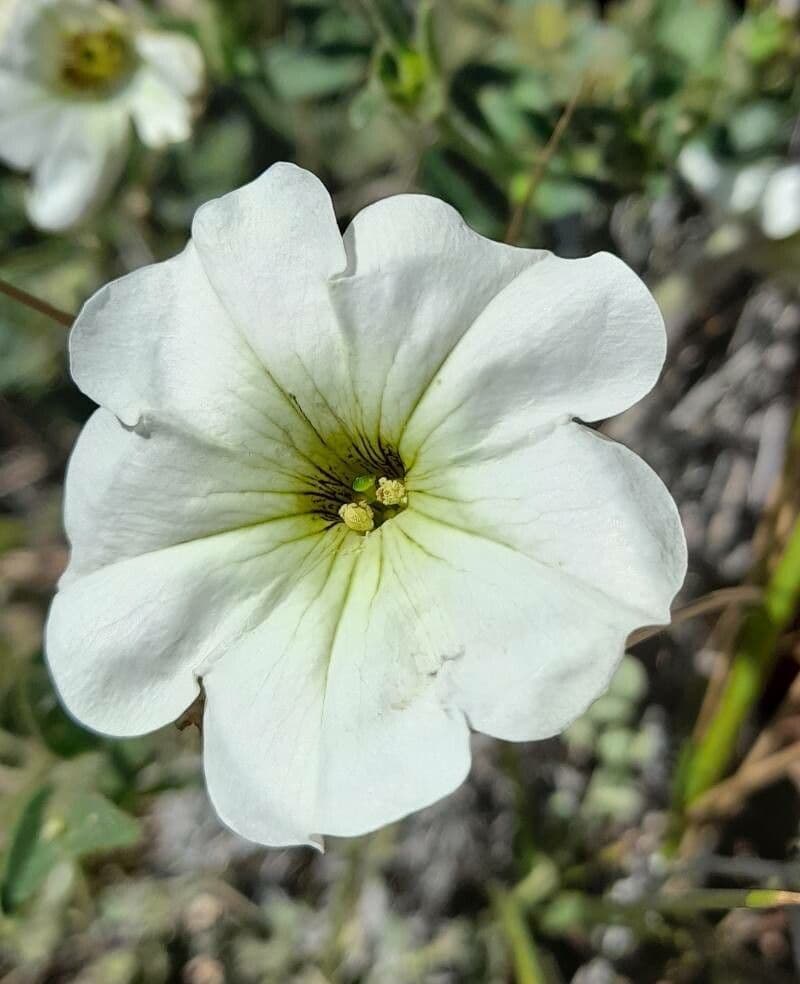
683,905
528,968
722,899
341,909
389,22
708,759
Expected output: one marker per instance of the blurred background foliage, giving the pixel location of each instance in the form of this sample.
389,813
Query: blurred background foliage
650,843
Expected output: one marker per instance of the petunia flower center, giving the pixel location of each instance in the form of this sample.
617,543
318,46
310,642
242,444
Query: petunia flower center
376,499
361,483
95,61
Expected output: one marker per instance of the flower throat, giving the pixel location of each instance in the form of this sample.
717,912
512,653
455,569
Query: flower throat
94,61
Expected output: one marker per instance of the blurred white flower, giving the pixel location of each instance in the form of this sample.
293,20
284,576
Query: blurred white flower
339,480
768,191
780,206
73,74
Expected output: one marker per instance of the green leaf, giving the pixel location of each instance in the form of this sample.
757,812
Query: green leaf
764,35
442,178
299,74
507,120
693,30
94,824
365,107
630,680
615,747
612,795
611,709
567,914
556,198
218,158
581,736
30,856
50,830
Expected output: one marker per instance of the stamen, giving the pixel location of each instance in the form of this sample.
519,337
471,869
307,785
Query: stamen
358,516
391,492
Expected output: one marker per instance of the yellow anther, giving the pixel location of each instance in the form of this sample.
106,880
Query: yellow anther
358,516
391,492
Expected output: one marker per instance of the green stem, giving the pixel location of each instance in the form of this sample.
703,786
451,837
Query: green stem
528,968
342,903
388,21
684,906
754,658
720,900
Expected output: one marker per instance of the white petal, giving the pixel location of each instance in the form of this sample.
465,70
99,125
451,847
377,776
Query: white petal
565,338
354,336
176,58
269,250
160,94
161,115
19,34
327,719
780,215
28,117
130,493
158,345
417,279
533,646
583,506
85,155
126,644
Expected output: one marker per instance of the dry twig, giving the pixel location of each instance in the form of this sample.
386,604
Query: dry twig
518,216
712,602
23,297
727,797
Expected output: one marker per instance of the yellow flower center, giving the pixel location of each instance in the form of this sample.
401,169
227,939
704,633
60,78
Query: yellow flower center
95,60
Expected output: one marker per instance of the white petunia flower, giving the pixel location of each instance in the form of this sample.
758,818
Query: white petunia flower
339,480
73,74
